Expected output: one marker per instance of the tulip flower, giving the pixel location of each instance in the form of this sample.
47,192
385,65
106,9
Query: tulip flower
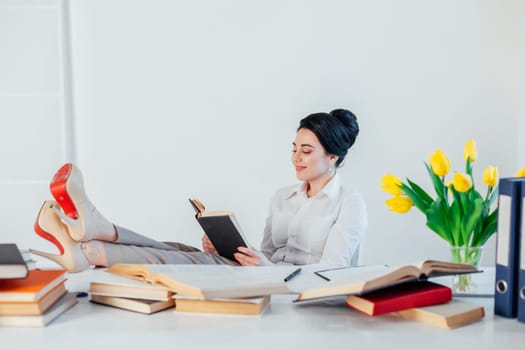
391,184
470,151
490,176
440,163
399,204
520,173
462,182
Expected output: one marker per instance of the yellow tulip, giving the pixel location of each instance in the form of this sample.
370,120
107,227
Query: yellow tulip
490,176
440,163
399,204
462,182
470,151
520,173
391,185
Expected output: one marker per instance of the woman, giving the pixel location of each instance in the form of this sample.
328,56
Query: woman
316,221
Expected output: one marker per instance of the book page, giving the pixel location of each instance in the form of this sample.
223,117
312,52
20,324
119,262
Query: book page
217,281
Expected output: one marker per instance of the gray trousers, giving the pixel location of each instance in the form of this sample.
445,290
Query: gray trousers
133,248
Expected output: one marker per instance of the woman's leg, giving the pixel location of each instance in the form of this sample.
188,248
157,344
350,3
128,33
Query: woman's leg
128,237
133,248
107,254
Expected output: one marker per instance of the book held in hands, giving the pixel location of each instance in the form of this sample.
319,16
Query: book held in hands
222,229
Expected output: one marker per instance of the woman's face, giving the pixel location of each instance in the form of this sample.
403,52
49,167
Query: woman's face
309,157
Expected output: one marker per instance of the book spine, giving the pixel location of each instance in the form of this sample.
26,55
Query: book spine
521,273
411,301
507,243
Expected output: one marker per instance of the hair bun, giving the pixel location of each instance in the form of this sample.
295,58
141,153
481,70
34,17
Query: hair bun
345,116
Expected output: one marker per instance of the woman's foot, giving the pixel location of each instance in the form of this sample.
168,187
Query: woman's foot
83,220
49,226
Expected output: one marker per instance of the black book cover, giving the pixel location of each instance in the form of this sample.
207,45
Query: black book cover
223,234
12,264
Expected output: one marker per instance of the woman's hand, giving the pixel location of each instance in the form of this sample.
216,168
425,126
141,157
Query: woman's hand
207,246
250,257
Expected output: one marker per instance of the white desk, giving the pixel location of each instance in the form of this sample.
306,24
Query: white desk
283,325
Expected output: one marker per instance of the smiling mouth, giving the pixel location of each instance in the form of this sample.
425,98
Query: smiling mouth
300,168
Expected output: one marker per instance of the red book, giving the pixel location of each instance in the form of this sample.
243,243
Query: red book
400,297
37,284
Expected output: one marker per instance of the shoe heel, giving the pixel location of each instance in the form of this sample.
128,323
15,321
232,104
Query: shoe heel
46,235
59,259
58,189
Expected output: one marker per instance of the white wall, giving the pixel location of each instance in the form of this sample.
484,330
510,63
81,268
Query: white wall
178,99
34,113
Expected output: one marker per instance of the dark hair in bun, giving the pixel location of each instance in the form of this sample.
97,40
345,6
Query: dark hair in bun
336,131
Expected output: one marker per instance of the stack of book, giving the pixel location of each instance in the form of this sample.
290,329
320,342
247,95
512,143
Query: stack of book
129,294
421,301
211,289
405,291
34,301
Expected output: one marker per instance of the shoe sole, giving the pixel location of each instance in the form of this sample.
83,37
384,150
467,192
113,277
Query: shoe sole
58,189
47,236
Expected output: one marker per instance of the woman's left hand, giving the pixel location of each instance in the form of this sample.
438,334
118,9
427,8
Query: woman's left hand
250,257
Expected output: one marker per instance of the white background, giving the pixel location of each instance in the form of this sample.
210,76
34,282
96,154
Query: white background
178,99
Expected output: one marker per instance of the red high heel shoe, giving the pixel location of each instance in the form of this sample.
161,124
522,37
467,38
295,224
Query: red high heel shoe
80,215
49,226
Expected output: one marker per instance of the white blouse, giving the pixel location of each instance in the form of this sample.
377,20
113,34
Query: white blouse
327,228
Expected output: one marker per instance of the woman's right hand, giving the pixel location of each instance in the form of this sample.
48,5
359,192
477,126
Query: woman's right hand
207,246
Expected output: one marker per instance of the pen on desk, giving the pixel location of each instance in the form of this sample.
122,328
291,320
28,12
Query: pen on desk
292,275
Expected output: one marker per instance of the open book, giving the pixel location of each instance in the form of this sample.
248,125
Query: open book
358,280
211,281
222,229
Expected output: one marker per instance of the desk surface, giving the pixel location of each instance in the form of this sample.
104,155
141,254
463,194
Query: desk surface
282,325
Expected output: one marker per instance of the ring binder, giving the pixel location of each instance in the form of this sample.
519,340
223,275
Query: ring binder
507,254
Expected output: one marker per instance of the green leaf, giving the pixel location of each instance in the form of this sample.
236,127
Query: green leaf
468,167
490,224
437,215
471,219
439,186
455,224
421,192
415,198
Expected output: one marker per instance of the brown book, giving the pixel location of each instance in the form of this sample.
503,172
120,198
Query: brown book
62,305
33,287
37,307
116,286
242,306
362,279
143,306
222,229
450,315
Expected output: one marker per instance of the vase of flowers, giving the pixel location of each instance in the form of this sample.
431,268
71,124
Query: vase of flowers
458,212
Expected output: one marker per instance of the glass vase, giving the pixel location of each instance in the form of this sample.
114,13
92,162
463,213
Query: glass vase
465,255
